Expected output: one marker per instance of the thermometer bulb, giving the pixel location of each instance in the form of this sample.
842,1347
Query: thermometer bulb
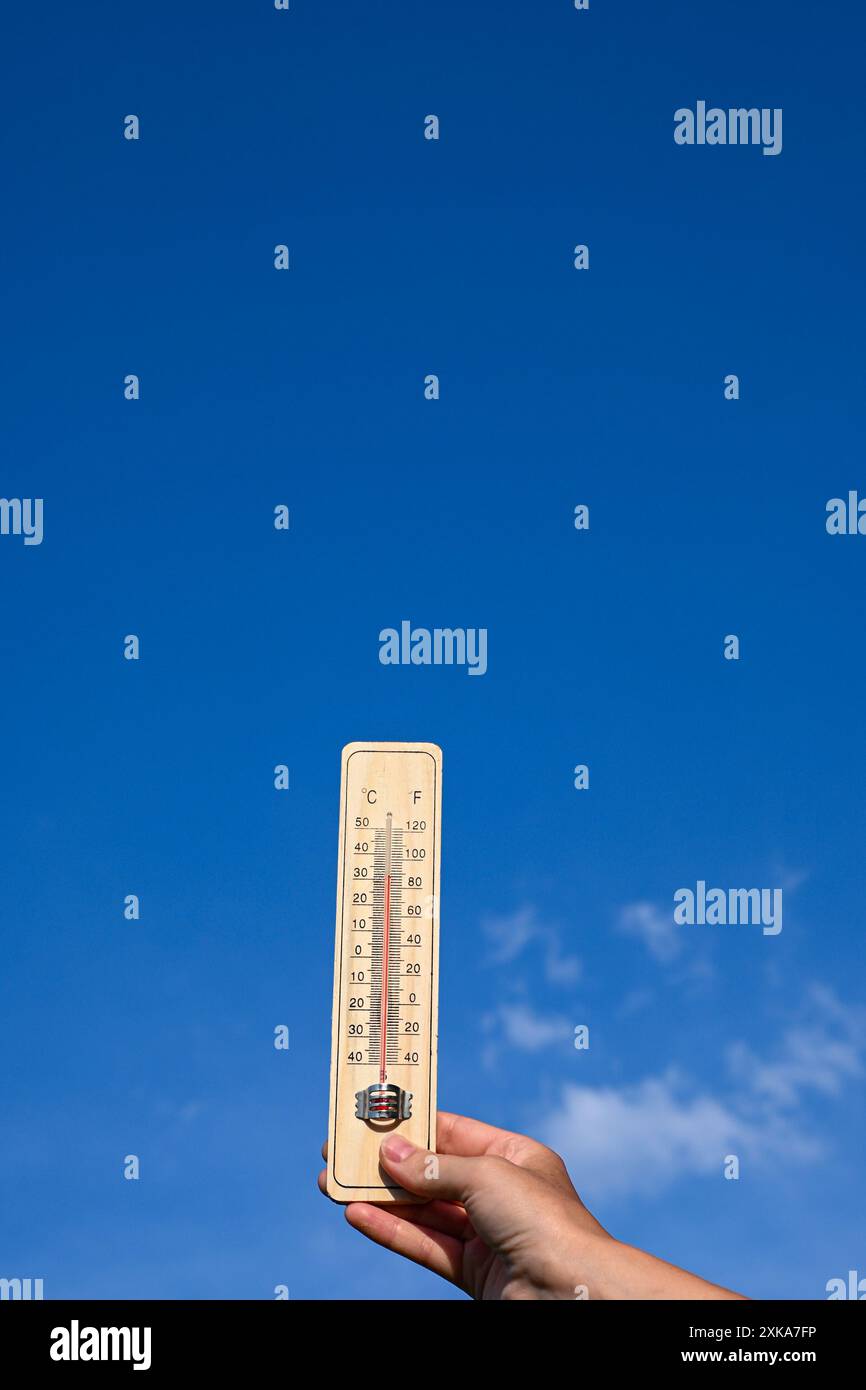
380,1102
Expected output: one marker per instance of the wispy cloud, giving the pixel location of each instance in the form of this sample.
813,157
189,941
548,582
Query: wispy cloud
511,935
655,928
522,1027
642,1138
823,1052
645,1137
788,879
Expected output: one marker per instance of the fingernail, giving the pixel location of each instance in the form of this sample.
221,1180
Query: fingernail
396,1148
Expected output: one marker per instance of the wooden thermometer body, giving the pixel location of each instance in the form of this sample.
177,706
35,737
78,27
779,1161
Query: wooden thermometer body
386,963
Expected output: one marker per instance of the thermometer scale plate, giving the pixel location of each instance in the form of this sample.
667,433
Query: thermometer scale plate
386,963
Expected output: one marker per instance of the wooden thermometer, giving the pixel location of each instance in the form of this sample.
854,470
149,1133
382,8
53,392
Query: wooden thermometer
386,963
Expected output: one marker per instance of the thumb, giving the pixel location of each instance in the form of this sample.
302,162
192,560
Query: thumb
427,1174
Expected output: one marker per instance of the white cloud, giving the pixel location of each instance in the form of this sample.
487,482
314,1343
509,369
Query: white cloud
520,1027
640,1138
654,928
645,1137
530,1031
560,969
510,936
822,1053
664,939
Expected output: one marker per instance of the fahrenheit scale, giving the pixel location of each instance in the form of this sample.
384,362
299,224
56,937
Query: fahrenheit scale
386,963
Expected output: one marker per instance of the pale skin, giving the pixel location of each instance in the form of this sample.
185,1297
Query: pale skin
501,1219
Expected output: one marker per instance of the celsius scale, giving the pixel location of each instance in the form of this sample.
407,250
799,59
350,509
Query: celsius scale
386,963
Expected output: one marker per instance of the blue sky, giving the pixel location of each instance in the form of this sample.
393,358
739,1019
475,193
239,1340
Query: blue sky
259,647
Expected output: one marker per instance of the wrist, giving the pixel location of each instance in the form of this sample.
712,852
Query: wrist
614,1270
588,1266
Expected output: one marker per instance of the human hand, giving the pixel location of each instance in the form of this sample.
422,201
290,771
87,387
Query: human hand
502,1220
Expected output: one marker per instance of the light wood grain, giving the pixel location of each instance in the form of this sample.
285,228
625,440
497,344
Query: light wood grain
405,781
